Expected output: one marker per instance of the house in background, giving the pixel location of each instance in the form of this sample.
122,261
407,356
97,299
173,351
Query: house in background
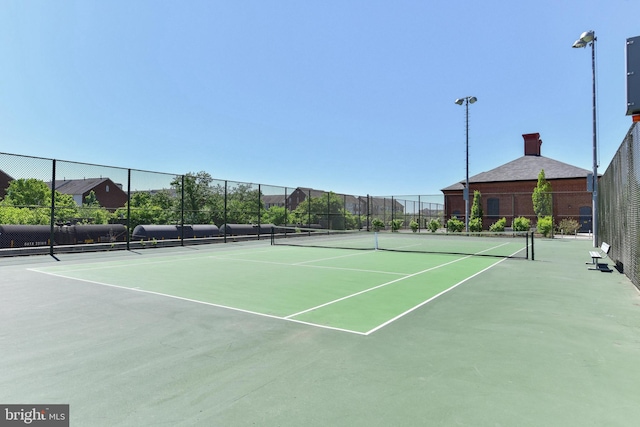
507,190
300,194
109,194
273,200
5,180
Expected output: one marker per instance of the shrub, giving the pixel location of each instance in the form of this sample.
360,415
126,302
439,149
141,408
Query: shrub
396,224
476,207
414,225
569,226
377,224
454,225
475,224
433,225
521,224
545,226
498,225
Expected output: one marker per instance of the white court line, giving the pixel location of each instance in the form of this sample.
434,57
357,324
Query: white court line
324,267
375,287
333,257
271,316
438,295
305,265
290,317
398,280
430,299
227,258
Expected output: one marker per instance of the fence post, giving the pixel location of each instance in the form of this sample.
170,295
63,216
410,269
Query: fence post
182,213
368,212
309,203
225,211
259,210
419,216
52,219
129,231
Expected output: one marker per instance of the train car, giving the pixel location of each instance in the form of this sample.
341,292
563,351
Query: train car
158,232
245,229
25,236
203,230
166,232
98,233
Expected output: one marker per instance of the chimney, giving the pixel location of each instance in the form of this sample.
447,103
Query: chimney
532,143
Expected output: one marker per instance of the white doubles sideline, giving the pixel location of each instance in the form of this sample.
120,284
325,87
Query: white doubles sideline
291,317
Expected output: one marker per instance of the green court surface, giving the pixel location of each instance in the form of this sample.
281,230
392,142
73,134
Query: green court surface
253,334
353,291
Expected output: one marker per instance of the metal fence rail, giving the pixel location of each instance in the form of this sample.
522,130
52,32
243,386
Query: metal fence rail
619,204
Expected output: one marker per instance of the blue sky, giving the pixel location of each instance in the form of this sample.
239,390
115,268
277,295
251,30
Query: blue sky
350,96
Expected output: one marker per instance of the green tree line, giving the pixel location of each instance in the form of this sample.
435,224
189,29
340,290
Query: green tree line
28,201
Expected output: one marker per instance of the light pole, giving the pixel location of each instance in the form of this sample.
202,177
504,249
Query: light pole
589,37
466,100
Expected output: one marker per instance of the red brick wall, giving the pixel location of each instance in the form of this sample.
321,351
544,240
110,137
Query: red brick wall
109,195
514,199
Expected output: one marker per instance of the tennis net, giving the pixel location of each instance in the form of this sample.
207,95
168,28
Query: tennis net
498,244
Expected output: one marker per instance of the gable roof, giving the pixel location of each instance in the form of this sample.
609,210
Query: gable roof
78,186
314,193
526,168
5,176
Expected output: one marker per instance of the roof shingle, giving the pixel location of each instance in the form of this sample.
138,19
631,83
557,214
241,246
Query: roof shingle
525,168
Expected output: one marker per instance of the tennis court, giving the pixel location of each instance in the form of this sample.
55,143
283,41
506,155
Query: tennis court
259,334
348,290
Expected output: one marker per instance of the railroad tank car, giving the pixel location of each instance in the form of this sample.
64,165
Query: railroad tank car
25,236
162,232
245,229
28,236
91,233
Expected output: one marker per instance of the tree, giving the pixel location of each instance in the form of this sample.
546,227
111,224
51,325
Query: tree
28,201
328,209
276,215
243,204
475,222
91,211
142,210
542,201
197,194
476,207
28,192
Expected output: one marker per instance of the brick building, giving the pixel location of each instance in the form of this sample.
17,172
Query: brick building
5,180
109,194
506,190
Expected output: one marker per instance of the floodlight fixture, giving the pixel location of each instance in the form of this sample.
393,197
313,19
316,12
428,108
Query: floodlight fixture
585,38
466,100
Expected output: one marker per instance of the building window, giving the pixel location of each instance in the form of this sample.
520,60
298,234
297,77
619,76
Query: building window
493,207
107,188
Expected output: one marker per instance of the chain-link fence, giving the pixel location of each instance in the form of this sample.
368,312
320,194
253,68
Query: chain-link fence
100,207
619,204
56,206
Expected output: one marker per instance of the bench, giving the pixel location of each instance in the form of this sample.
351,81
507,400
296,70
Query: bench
596,255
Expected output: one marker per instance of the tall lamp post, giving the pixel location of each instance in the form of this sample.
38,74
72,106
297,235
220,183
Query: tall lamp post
589,38
466,101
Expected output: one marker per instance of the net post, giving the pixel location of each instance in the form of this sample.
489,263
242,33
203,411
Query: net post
375,245
526,245
273,232
532,246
